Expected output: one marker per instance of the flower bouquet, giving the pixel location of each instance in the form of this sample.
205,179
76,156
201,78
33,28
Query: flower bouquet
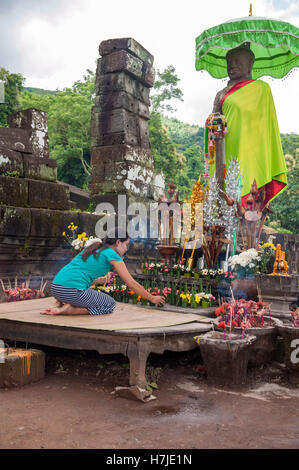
246,263
78,242
267,252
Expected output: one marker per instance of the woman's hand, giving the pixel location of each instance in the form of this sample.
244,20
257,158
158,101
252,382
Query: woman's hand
100,280
158,300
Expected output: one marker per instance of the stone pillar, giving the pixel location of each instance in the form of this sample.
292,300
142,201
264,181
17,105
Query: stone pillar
121,158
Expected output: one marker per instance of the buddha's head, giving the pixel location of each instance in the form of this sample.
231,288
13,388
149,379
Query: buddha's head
239,63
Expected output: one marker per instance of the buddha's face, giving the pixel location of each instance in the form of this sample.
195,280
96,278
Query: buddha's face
238,65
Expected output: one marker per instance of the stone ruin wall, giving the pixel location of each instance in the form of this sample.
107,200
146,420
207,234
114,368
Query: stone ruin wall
34,207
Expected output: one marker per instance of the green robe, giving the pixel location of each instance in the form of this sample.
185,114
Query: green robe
253,137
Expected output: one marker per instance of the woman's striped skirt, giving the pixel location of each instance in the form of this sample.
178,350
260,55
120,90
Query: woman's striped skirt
97,303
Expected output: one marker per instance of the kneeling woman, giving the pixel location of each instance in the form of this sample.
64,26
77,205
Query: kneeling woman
71,285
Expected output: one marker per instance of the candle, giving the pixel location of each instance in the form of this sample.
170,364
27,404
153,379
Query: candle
193,249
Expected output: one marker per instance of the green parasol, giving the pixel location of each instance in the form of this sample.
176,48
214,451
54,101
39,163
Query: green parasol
274,43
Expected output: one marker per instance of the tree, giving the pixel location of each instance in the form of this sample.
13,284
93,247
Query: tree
285,210
194,163
166,90
164,151
69,127
13,84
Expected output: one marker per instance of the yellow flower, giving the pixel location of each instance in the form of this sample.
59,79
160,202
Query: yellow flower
63,234
80,235
85,239
68,226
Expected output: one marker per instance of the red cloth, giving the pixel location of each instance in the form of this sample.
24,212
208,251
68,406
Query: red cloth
234,88
272,188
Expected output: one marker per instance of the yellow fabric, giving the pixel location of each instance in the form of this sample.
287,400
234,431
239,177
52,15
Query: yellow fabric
253,135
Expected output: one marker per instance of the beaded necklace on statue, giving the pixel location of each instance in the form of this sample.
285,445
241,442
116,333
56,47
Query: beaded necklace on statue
215,125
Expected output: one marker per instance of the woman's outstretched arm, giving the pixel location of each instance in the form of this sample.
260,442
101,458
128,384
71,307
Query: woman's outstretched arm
123,272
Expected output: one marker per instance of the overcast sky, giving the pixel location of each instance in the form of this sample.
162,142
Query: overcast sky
53,42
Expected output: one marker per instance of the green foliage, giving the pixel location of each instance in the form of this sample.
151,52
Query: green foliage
183,134
40,91
13,84
166,90
12,173
69,127
290,144
285,216
164,151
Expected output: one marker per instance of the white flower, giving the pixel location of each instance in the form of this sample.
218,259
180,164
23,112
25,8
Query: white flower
92,240
76,244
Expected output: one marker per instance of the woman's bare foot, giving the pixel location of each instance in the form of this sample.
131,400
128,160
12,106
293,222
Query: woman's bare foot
66,309
57,310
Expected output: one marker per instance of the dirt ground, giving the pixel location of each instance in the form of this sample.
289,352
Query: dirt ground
73,407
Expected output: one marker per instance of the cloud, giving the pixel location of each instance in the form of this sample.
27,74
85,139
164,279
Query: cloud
28,32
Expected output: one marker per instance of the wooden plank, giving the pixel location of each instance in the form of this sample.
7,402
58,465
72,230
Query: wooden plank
125,316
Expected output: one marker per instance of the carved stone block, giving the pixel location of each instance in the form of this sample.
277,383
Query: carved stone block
14,221
29,119
127,44
11,162
121,81
13,191
124,61
40,168
48,195
15,139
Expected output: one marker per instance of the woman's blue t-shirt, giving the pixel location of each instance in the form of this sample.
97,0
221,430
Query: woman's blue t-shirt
80,274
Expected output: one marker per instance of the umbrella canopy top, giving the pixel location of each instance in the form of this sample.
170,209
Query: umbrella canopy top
274,43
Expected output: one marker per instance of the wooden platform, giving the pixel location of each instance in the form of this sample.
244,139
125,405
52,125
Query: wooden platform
130,330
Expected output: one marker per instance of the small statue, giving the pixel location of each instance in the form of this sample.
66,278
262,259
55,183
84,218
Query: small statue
280,267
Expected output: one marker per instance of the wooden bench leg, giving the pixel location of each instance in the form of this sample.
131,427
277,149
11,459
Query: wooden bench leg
138,354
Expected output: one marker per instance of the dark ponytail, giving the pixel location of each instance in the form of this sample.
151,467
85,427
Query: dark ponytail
108,241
